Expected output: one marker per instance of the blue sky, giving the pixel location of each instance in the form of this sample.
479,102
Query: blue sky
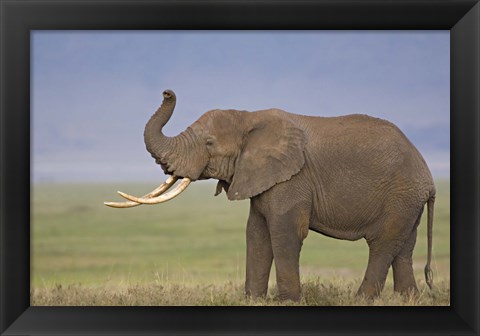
92,92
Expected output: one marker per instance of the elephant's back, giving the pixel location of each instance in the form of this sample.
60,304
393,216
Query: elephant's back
363,142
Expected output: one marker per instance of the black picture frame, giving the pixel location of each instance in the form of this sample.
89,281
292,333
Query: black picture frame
19,17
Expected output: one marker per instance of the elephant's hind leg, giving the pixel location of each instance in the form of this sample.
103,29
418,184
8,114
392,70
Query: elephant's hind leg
259,255
403,278
394,240
374,280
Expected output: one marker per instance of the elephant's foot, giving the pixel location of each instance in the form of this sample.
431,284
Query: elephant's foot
289,291
295,297
410,291
369,291
288,282
283,295
255,292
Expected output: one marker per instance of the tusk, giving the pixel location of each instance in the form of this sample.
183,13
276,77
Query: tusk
162,188
161,198
158,191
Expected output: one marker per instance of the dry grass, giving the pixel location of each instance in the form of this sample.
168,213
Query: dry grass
333,292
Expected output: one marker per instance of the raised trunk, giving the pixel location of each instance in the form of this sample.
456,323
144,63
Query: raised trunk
171,152
156,142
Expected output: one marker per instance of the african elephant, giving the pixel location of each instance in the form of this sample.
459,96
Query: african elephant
347,177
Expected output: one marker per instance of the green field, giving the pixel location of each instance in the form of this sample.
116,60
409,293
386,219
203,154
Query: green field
193,246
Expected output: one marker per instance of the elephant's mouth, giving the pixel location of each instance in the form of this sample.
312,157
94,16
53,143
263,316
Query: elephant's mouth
158,195
165,166
166,169
181,171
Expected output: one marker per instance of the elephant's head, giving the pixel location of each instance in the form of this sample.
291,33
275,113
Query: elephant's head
248,152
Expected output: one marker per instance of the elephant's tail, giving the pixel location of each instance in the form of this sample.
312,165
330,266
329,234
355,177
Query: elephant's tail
428,270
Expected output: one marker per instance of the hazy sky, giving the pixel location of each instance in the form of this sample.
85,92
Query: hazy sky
92,92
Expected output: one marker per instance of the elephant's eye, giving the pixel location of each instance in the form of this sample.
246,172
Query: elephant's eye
209,142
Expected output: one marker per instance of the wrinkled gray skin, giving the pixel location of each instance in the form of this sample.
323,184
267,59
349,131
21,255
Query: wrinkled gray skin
347,177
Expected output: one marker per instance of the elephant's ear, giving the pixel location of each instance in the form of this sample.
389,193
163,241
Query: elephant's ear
273,152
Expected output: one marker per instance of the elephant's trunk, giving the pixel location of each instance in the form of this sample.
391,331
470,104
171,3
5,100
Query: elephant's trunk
156,142
171,152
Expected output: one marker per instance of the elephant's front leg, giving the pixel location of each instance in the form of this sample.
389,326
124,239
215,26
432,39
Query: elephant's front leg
287,234
259,255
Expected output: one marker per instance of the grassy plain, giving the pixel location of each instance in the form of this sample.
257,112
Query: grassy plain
191,251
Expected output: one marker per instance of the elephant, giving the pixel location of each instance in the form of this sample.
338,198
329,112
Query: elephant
347,177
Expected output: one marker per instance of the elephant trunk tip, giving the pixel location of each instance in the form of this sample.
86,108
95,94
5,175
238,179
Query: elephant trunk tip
168,94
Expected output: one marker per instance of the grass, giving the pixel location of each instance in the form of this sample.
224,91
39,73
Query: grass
315,292
191,251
